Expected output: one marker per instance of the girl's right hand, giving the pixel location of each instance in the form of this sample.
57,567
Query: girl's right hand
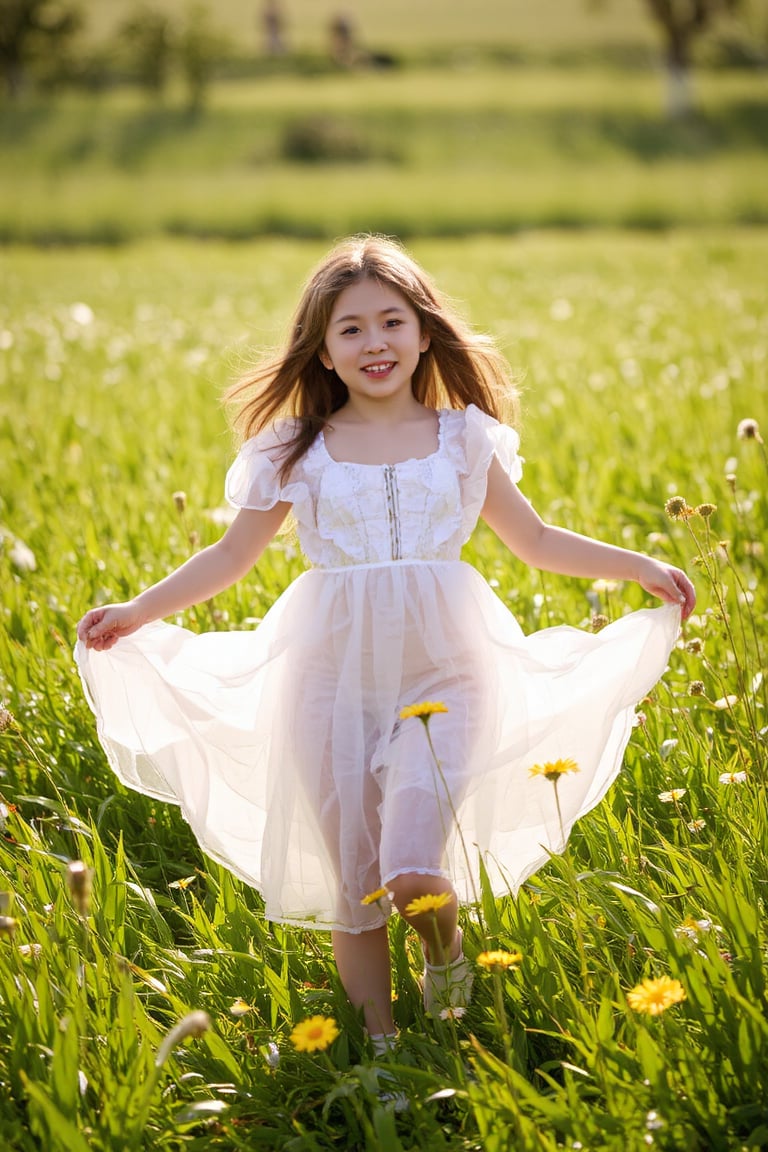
101,628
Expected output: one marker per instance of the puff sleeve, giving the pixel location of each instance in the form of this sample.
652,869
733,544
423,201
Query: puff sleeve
253,480
484,438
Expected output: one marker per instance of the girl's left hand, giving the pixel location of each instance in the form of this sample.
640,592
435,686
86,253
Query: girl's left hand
670,585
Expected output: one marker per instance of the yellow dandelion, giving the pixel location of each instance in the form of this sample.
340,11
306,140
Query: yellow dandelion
422,711
553,769
499,961
428,903
374,897
314,1034
652,997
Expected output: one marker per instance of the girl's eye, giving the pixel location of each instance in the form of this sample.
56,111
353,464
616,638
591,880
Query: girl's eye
349,331
394,322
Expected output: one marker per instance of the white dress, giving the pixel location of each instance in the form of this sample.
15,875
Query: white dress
283,745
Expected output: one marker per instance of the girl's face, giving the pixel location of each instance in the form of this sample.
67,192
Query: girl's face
373,340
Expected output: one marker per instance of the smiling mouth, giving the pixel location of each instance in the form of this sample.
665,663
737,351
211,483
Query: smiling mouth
379,369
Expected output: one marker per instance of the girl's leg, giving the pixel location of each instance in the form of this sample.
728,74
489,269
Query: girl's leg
438,930
364,967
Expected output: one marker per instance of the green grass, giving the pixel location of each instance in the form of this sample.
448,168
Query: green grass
437,151
640,355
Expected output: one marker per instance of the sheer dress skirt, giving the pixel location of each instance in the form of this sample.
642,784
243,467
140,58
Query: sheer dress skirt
285,749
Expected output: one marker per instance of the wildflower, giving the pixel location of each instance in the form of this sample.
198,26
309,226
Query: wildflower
193,1024
730,479
6,719
375,897
183,883
694,645
696,825
30,951
180,500
696,688
240,1008
598,622
452,1012
732,777
314,1034
749,430
677,508
641,719
553,769
726,702
652,997
8,925
694,928
705,510
22,558
672,796
499,961
423,711
428,903
79,884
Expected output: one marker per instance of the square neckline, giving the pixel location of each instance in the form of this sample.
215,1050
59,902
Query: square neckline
320,439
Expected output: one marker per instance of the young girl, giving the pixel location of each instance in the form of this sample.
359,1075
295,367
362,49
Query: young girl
285,747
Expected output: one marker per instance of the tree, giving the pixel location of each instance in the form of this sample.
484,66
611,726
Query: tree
681,22
30,30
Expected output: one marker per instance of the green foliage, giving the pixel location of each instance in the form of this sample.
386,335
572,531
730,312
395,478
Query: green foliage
640,356
421,153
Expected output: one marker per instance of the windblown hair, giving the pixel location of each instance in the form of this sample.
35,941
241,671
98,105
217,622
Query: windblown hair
460,367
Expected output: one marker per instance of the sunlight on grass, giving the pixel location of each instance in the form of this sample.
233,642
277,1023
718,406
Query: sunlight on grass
624,990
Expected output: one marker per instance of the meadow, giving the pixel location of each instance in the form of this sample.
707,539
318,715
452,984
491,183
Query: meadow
640,358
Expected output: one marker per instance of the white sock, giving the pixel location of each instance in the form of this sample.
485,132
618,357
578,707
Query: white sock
382,1042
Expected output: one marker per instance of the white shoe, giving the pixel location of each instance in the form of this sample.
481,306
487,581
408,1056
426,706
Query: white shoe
447,985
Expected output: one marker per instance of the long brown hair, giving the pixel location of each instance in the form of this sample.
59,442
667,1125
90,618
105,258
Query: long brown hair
460,367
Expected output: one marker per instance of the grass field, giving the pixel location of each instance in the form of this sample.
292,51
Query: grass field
639,354
425,152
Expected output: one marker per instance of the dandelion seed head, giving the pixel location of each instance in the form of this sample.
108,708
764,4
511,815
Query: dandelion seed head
180,500
749,429
696,688
677,508
705,510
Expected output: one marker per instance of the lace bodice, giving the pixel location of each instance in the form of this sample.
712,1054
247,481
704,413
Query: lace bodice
347,514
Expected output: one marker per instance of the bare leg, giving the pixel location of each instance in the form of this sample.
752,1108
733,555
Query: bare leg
438,930
364,967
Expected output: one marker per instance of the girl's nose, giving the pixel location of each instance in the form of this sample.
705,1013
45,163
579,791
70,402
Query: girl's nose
375,341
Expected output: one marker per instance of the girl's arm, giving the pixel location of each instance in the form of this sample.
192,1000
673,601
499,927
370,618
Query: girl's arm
199,578
541,545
